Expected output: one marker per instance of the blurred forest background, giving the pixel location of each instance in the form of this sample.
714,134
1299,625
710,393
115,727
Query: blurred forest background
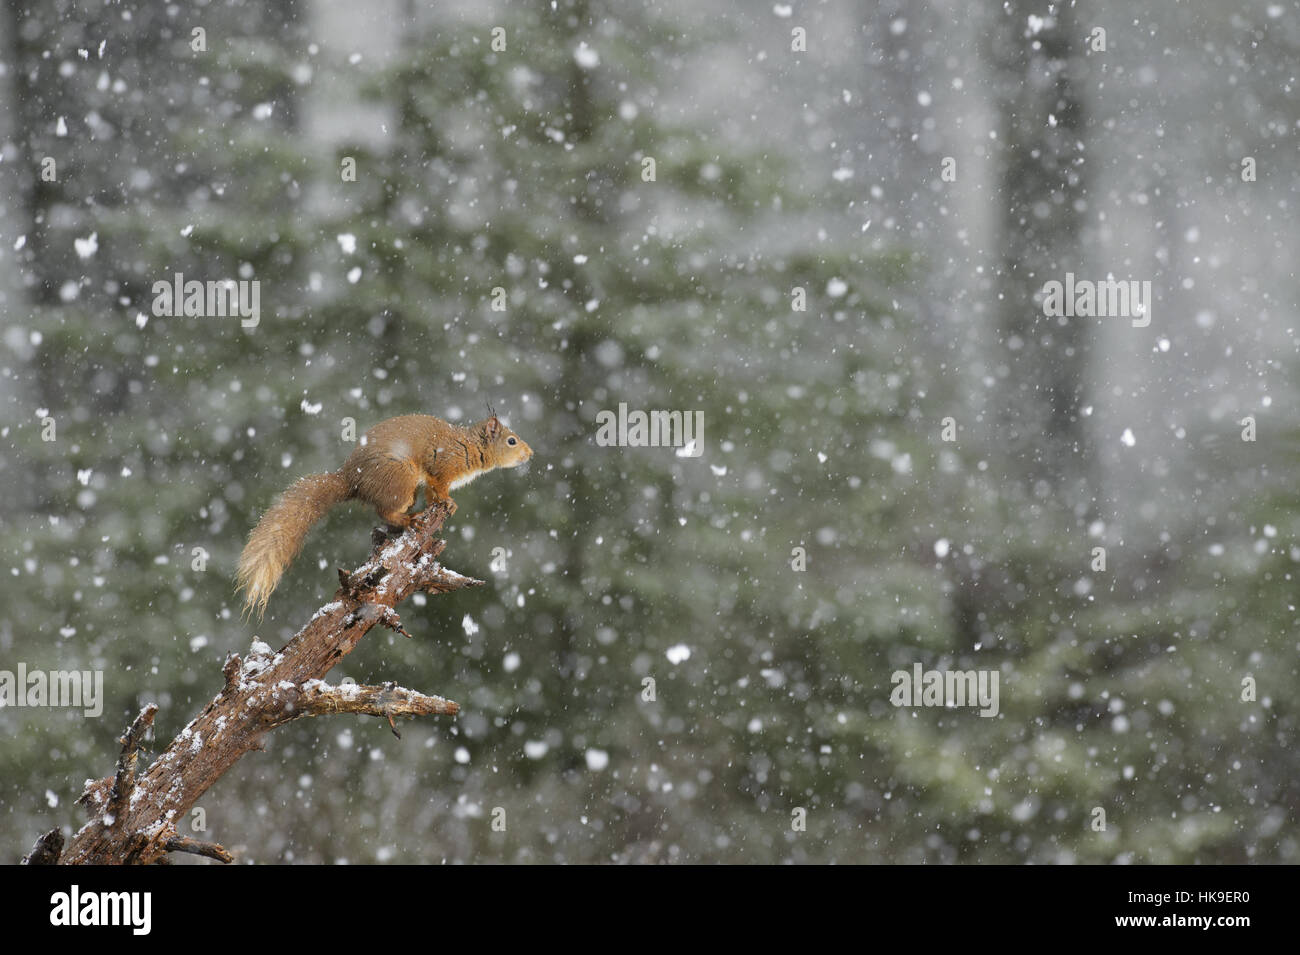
777,169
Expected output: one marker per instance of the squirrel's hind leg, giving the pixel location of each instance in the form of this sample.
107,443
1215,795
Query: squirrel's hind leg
436,492
396,518
390,486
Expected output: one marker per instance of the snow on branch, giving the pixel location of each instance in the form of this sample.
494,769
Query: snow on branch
134,816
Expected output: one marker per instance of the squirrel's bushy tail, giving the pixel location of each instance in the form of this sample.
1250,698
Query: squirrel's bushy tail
278,536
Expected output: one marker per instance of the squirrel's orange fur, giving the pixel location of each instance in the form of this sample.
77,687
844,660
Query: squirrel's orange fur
386,470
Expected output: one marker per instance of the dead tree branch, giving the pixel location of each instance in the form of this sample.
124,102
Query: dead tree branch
134,817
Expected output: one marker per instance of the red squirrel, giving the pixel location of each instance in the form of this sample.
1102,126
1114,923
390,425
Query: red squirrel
386,470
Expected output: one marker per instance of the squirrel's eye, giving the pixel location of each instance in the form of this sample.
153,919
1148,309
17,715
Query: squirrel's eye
511,441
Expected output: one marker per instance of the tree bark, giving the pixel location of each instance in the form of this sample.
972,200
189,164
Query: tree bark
1039,64
133,820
